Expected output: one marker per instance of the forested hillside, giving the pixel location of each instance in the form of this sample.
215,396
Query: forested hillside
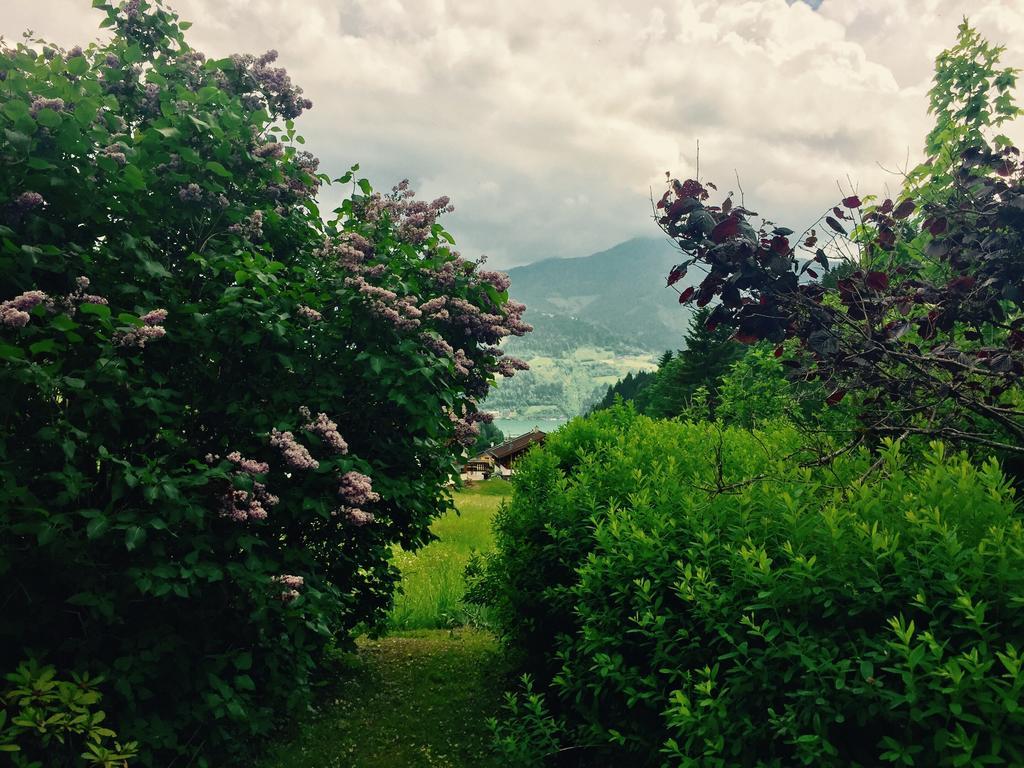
595,319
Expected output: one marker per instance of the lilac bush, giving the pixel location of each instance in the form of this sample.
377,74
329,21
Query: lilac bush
221,408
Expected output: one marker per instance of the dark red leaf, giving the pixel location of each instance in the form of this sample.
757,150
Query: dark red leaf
961,284
839,212
779,350
810,242
746,338
835,225
886,206
686,295
812,273
877,281
725,229
836,396
904,209
852,201
938,226
780,245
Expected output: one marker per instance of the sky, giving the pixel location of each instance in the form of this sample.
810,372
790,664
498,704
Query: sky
550,124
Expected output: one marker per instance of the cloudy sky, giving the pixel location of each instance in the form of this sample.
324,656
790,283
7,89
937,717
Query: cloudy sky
549,122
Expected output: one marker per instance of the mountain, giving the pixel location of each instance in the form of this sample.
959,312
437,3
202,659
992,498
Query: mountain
595,319
621,289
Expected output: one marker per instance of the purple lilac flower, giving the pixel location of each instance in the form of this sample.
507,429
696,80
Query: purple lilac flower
138,337
271,149
309,313
357,489
26,201
326,429
355,516
191,193
14,313
294,454
248,466
39,104
287,580
155,317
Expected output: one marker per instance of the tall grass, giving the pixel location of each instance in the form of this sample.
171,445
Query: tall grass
432,584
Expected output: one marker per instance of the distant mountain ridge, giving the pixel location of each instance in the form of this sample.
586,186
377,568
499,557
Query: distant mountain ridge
595,319
621,289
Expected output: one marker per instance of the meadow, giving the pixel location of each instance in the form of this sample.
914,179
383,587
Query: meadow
421,696
432,585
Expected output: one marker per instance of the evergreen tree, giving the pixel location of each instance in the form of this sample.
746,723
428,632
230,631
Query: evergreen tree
703,363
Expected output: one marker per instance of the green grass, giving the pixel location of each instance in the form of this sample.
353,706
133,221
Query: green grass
432,585
419,698
416,699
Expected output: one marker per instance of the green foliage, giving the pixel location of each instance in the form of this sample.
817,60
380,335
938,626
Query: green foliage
181,335
703,362
755,390
46,721
692,595
489,436
970,95
527,735
632,388
433,584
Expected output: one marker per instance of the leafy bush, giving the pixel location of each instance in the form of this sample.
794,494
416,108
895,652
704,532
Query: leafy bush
687,613
43,717
220,412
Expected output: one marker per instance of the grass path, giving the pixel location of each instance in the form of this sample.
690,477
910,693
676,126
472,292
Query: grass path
420,697
416,699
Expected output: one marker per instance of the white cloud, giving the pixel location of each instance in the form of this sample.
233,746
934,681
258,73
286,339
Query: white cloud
548,123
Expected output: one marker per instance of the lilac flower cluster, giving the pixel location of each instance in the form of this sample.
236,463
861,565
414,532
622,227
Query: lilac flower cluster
325,429
350,250
151,330
401,313
248,466
411,219
357,517
26,201
116,152
291,585
239,505
39,104
465,426
295,455
71,302
357,489
14,313
508,366
192,193
270,86
251,228
309,313
271,149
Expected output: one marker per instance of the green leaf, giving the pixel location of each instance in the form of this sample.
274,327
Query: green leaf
97,527
46,345
7,352
100,310
134,536
169,132
78,65
219,169
48,118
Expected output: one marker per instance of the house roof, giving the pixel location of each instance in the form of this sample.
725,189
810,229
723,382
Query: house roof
516,444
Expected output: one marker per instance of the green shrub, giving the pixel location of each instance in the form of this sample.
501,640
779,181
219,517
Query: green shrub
220,412
45,721
847,615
